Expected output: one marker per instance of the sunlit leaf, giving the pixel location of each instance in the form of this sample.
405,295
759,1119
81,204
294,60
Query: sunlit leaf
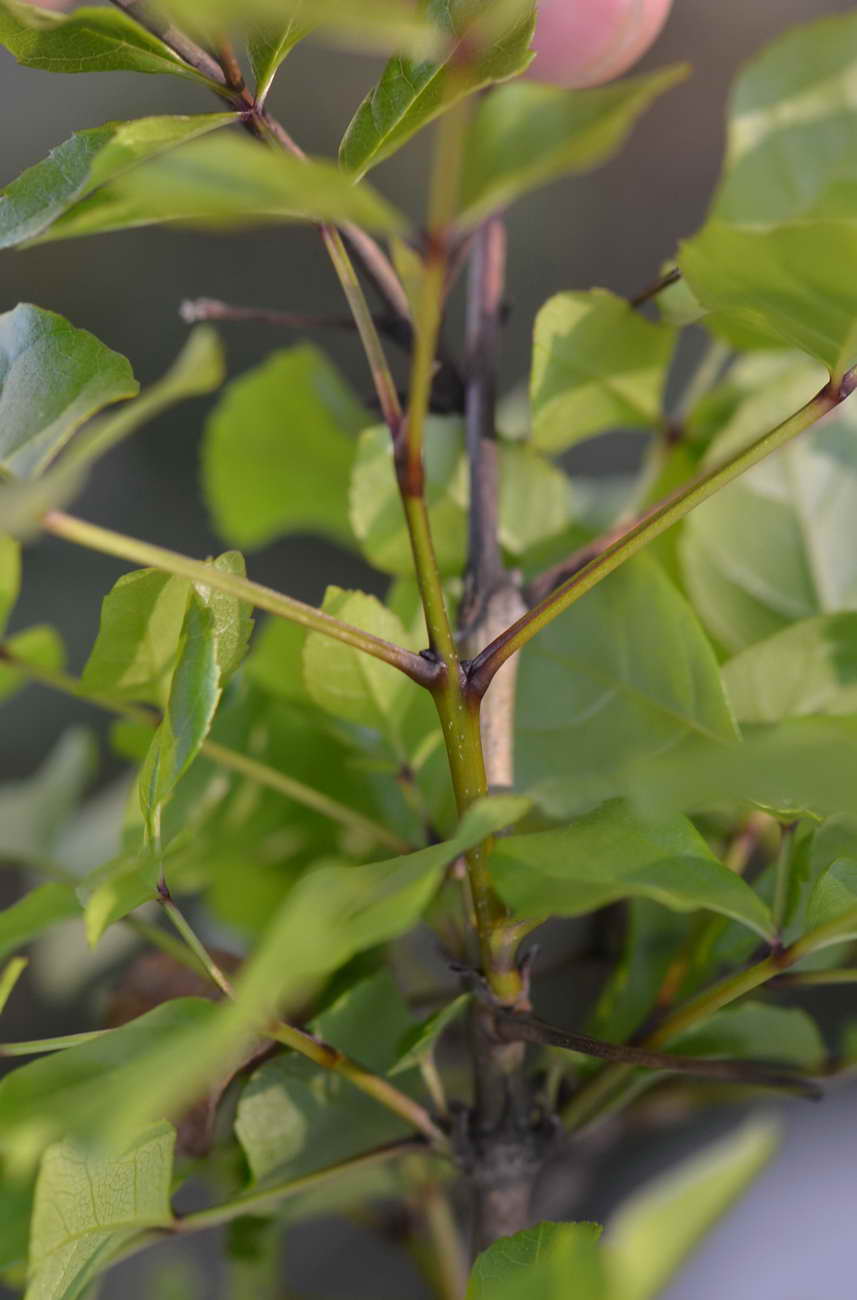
410,94
597,364
653,1232
526,134
88,1208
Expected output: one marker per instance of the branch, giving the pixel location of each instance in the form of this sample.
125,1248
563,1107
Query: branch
186,49
107,542
231,759
487,279
529,1029
657,286
654,522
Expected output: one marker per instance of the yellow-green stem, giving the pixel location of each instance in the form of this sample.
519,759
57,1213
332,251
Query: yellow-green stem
231,759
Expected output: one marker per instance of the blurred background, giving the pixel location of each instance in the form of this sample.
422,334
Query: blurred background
791,1237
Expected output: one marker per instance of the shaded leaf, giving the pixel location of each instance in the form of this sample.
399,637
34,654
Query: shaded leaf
49,200
34,913
410,94
612,853
279,449
541,1261
624,674
38,646
802,766
353,685
34,812
90,40
810,667
653,1232
757,1031
597,364
652,940
229,181
833,905
53,377
526,134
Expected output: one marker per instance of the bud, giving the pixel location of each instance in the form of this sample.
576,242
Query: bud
581,43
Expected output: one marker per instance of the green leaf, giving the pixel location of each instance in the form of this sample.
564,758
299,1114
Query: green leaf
376,507
410,95
368,1021
757,1031
197,370
541,1262
232,619
332,913
357,24
69,1092
526,134
88,1209
35,913
597,364
658,1227
774,547
808,668
39,646
276,661
53,377
229,181
612,853
90,40
535,498
194,695
279,449
268,45
653,939
49,200
833,905
353,685
11,973
786,197
802,766
10,577
420,1041
625,673
138,638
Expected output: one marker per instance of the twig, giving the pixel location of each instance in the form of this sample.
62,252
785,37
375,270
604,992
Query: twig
657,286
107,542
529,1029
654,522
194,310
187,50
231,759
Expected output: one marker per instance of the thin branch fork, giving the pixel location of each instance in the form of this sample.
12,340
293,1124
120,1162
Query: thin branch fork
662,516
512,1027
424,671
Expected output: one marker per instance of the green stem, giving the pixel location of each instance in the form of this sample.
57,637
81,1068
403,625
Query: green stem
231,759
653,523
195,945
782,875
108,542
39,1045
322,1054
259,1199
813,978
